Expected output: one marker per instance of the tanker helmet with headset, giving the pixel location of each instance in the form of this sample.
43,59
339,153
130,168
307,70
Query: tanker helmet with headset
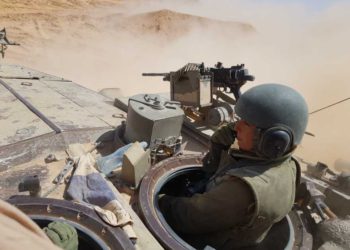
280,115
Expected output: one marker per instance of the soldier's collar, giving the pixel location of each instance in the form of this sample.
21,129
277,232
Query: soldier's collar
236,153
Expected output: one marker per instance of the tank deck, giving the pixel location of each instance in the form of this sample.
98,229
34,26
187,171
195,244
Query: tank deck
37,106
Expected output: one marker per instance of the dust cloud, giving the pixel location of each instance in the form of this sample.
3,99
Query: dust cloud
102,44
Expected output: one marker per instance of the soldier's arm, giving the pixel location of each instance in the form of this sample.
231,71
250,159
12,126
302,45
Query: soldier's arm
227,205
221,140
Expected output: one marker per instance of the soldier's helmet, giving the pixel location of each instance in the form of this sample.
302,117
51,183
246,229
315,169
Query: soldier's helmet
280,114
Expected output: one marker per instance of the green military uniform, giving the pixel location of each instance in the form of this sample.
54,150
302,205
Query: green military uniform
239,206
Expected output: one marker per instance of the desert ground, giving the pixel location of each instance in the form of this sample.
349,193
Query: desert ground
109,43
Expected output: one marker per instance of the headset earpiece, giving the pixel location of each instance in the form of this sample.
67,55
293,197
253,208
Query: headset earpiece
275,142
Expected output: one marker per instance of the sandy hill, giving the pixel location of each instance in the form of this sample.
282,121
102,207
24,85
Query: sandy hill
174,24
167,19
34,23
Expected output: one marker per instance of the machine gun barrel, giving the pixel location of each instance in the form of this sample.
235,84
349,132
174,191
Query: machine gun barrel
166,76
155,74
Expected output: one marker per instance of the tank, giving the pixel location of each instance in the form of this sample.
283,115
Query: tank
50,124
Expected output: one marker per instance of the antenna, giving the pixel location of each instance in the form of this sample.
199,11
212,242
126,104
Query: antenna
328,106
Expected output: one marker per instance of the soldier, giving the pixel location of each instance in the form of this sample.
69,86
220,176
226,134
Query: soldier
249,188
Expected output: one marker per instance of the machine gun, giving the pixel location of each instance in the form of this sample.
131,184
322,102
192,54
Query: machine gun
199,88
4,42
230,80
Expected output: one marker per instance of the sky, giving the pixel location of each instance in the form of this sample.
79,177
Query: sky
310,3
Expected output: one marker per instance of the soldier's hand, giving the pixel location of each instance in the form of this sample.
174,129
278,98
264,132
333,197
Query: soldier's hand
210,164
224,135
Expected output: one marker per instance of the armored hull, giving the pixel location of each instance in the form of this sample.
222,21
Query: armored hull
42,115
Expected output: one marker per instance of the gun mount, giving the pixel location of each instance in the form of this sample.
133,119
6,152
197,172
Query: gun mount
4,42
